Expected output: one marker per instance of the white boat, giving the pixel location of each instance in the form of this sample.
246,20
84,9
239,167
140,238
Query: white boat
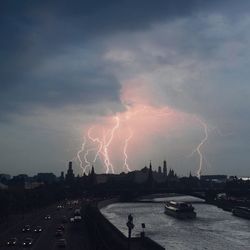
180,210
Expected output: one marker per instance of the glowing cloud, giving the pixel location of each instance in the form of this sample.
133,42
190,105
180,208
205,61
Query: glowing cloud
114,138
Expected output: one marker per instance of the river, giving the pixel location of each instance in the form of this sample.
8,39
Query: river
213,229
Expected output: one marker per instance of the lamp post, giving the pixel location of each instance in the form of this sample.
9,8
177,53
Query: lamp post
130,226
143,232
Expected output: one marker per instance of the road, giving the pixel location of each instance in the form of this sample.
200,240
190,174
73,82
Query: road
75,234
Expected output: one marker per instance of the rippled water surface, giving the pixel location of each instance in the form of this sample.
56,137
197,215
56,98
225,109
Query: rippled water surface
213,228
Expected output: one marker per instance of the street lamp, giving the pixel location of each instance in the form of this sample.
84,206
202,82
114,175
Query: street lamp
130,226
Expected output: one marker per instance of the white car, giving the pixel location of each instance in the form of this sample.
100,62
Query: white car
27,242
77,218
47,217
26,228
38,229
12,241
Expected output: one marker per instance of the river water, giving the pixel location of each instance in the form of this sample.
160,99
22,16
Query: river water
213,229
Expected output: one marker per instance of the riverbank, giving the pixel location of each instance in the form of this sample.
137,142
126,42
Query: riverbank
213,228
106,236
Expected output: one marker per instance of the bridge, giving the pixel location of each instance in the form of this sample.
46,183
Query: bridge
206,194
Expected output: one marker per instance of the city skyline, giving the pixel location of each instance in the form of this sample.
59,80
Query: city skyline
165,81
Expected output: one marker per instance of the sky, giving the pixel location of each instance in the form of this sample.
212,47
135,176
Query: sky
120,83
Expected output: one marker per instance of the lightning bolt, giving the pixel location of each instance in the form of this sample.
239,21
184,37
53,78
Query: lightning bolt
102,144
125,150
107,144
78,155
96,140
198,148
105,155
86,159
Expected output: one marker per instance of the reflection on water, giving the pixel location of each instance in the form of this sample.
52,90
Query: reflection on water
213,228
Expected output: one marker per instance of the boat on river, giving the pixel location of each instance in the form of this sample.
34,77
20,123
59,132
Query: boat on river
180,210
243,212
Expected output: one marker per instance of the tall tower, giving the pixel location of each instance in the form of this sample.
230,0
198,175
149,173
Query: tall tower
150,179
150,166
165,169
62,176
70,174
159,170
92,177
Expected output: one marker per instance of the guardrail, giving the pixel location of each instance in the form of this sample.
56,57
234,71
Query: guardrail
107,237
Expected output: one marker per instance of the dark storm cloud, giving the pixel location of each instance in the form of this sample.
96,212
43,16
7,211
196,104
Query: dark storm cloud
34,32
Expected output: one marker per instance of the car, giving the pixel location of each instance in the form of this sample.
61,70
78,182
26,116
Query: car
27,242
72,219
26,228
77,218
47,217
77,215
38,229
12,241
59,207
61,243
59,233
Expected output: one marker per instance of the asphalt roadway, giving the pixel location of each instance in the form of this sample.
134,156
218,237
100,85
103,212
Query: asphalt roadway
75,233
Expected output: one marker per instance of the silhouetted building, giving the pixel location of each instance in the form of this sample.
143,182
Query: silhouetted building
20,177
190,175
165,169
92,177
101,178
150,179
46,178
4,178
141,176
32,184
171,174
70,174
61,178
159,169
144,175
18,182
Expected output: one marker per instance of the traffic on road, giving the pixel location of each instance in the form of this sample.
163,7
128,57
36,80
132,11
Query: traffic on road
58,226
